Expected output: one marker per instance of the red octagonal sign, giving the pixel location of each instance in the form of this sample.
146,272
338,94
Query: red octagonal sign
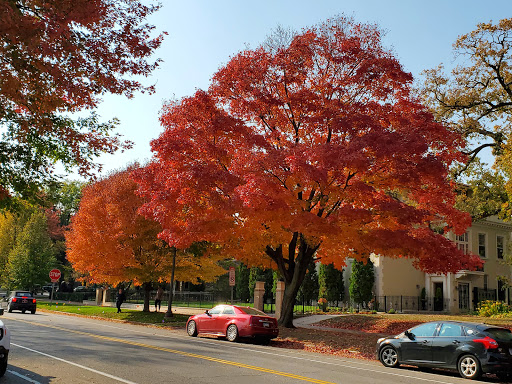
55,275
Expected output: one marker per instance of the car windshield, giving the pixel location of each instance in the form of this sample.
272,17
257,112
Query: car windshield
21,294
252,311
500,334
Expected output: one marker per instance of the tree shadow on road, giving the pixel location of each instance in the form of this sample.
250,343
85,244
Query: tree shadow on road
14,372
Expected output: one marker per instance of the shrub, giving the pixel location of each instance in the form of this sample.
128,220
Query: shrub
490,308
391,311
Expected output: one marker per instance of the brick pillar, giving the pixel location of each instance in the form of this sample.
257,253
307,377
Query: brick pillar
279,298
259,292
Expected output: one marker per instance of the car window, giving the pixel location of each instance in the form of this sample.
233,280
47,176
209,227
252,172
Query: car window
424,330
216,310
472,331
228,311
499,334
252,311
20,294
450,330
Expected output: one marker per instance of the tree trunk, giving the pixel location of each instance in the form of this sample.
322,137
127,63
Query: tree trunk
293,269
147,292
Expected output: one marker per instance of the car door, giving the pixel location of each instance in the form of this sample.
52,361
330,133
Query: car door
208,322
417,348
221,323
444,346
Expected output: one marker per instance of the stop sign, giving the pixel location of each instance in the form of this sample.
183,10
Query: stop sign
54,275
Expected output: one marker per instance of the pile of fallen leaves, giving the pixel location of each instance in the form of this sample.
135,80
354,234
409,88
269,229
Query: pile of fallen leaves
360,346
382,324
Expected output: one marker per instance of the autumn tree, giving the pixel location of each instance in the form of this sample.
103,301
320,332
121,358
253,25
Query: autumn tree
475,100
58,58
109,242
314,150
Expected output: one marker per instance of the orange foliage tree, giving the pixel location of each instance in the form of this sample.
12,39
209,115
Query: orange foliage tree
57,58
312,150
109,242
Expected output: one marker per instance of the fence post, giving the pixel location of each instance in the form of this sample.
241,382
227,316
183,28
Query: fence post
385,303
401,304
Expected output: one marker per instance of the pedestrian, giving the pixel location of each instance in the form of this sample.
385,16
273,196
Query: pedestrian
158,299
120,299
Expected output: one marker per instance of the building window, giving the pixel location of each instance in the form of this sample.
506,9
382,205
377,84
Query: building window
486,280
500,241
462,242
481,245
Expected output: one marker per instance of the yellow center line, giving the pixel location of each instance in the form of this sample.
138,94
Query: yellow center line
187,354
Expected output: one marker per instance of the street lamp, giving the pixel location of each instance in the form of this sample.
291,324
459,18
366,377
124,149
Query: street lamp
171,285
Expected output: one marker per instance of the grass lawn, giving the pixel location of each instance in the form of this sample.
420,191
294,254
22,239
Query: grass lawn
154,318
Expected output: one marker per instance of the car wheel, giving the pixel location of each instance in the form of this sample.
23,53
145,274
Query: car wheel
192,328
23,311
388,357
232,333
3,366
469,367
33,311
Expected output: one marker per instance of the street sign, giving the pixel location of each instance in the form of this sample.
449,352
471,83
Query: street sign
54,275
231,276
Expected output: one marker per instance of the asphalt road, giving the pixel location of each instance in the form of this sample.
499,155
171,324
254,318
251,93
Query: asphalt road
49,348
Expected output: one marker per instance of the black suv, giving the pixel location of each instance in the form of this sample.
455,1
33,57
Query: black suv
21,301
470,348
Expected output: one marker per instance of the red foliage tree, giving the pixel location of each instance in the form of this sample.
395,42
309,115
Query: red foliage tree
312,150
58,57
109,242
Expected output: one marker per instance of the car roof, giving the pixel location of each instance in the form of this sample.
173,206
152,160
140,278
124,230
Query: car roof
466,324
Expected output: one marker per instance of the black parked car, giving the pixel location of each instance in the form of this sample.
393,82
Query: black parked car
22,301
470,348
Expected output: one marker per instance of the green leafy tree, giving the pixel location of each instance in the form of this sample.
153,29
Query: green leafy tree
32,256
309,289
242,283
330,282
361,281
483,193
259,274
8,229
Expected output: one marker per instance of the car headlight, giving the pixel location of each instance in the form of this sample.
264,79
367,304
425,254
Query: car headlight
381,340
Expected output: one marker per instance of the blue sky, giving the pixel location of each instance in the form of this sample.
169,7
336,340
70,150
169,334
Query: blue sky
203,34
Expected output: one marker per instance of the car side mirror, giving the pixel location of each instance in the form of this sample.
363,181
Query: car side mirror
409,335
208,313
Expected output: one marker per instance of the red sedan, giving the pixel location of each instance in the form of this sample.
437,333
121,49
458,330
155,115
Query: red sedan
233,322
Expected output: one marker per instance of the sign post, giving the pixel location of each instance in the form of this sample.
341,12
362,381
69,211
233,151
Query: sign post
54,276
232,281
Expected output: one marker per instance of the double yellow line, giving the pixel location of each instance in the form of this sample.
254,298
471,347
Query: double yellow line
181,353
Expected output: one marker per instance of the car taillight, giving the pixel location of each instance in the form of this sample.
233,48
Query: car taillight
487,342
14,299
34,301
